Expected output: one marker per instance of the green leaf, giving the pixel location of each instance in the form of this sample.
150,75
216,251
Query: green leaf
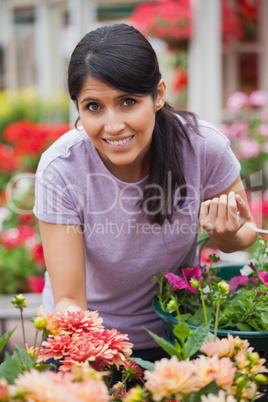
211,388
143,363
4,339
181,331
20,355
165,345
264,317
243,327
196,341
10,369
254,325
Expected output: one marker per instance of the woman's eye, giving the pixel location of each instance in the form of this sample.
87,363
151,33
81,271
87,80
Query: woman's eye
129,102
93,107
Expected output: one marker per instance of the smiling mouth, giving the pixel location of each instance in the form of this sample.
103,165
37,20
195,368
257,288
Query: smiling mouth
120,142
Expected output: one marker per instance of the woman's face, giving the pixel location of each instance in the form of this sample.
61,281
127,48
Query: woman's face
120,125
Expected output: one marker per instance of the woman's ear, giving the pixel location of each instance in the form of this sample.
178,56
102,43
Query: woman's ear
161,95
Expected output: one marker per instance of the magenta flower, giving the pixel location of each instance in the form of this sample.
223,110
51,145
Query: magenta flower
176,282
238,281
264,277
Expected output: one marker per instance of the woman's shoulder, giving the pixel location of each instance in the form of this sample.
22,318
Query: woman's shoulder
203,136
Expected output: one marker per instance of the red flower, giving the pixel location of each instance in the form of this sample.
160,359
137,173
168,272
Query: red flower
38,254
8,161
36,283
18,236
172,21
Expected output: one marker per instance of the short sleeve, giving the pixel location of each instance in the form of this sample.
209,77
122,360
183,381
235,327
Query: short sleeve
221,165
55,200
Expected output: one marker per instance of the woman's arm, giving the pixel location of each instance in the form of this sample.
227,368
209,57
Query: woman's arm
228,220
64,256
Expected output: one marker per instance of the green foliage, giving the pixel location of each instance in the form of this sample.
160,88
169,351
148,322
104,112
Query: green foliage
4,338
16,265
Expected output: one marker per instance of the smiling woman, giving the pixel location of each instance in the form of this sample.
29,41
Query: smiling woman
118,197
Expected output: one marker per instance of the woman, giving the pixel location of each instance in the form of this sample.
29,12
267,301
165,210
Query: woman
120,198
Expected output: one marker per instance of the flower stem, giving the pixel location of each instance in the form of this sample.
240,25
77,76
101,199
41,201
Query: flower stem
204,308
217,318
24,337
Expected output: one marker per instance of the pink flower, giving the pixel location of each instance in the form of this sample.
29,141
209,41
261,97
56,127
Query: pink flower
55,347
258,98
249,149
237,101
263,130
239,129
242,280
264,277
79,321
176,282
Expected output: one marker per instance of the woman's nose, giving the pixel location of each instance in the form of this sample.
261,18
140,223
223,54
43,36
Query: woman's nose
113,123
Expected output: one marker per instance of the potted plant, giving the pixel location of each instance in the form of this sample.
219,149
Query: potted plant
233,296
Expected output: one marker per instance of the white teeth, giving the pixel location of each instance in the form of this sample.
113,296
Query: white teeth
120,142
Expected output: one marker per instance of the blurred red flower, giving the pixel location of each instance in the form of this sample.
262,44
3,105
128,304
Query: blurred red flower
38,254
36,283
18,236
25,138
172,21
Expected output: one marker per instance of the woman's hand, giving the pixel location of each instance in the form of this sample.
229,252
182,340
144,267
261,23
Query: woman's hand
224,217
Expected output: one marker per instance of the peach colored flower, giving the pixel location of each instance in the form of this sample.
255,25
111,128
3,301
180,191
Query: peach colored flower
55,347
90,390
225,347
118,349
214,369
57,387
249,366
79,321
221,397
171,378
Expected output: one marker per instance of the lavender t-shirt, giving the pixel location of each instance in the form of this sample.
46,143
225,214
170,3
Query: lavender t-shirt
122,249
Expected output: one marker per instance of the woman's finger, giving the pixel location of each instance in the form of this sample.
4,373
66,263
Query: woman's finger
222,212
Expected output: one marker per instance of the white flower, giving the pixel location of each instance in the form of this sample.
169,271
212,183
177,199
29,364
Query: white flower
221,397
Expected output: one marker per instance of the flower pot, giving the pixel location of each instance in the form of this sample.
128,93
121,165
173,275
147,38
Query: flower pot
257,339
